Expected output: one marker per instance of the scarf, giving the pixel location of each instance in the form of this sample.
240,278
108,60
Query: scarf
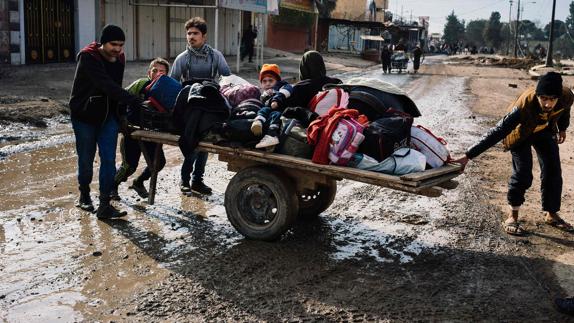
203,52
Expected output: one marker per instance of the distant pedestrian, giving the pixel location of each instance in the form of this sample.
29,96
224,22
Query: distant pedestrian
417,53
537,119
386,54
96,92
248,42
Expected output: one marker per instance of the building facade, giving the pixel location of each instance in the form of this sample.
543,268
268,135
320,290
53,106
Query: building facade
46,31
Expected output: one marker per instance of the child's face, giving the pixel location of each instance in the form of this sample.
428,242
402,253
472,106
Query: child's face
268,82
156,70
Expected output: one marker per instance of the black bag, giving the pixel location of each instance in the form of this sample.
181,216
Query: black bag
293,140
239,131
151,119
387,134
246,109
373,103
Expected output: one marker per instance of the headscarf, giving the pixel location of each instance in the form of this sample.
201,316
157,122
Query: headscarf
312,66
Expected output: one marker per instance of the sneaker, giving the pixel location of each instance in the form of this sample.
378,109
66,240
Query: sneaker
565,305
85,202
107,211
114,195
140,189
267,141
200,188
184,187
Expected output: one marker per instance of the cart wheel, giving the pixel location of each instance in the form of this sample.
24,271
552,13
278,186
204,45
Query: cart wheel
260,203
312,203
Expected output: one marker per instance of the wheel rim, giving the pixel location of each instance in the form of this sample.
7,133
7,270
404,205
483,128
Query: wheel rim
257,204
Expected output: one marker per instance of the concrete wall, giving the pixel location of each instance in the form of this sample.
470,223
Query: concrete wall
346,38
85,14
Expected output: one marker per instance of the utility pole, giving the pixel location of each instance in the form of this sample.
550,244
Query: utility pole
509,28
516,30
549,62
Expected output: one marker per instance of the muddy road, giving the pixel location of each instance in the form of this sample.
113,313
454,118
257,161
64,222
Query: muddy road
374,255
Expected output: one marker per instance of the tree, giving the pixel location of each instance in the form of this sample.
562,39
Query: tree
325,7
453,29
473,34
570,18
530,31
492,30
559,29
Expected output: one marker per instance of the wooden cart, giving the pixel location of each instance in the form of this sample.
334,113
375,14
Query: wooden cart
269,191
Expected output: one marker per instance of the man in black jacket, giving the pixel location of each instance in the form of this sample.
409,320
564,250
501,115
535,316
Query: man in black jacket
96,92
537,119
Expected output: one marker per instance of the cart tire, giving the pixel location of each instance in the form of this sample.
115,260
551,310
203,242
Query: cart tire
261,203
311,204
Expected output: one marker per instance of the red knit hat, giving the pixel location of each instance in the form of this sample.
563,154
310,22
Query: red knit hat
270,70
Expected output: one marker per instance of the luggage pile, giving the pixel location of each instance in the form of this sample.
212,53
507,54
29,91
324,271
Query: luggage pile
365,123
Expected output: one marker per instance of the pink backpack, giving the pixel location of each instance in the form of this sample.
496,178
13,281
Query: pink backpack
324,100
433,147
236,94
345,141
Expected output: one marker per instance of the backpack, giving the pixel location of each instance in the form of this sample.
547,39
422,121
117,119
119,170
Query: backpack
387,134
433,147
162,93
238,93
293,139
345,141
324,100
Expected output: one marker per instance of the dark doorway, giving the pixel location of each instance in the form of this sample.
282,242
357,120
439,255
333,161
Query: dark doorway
49,31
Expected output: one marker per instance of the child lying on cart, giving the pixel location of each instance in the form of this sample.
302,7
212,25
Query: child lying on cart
274,94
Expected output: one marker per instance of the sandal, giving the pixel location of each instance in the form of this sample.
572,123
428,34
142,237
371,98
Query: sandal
513,228
559,224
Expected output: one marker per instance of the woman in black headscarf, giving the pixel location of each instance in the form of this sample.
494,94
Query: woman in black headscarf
312,75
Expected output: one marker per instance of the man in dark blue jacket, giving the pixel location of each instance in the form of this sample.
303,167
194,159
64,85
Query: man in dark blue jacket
96,92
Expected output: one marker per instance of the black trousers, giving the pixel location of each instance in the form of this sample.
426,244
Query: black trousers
547,151
131,153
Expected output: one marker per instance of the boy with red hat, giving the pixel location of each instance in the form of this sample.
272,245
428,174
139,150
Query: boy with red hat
275,93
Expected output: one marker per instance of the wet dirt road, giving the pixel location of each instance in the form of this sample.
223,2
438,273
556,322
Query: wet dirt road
374,255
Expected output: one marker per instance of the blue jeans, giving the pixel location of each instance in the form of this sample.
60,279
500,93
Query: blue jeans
199,158
105,138
271,120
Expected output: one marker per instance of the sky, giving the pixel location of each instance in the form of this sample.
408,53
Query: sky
534,10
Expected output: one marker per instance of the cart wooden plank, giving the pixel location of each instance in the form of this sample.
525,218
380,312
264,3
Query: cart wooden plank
418,183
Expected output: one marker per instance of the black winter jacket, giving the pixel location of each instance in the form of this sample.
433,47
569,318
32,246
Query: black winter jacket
97,87
198,108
